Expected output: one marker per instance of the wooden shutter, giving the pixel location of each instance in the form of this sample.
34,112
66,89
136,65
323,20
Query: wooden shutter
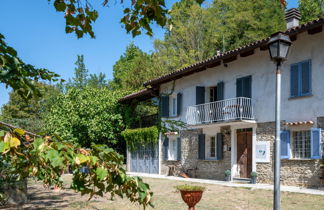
166,148
305,69
219,146
294,80
220,91
285,144
179,148
200,95
316,150
239,87
247,87
164,106
179,103
201,146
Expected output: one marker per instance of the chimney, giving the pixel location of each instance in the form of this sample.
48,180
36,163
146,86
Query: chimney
292,17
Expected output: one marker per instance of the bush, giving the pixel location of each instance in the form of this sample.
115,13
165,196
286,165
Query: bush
254,174
227,172
134,137
190,188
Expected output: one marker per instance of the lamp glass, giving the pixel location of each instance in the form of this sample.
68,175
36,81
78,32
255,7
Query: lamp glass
284,47
273,48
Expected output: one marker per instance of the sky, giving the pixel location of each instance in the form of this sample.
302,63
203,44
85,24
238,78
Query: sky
37,32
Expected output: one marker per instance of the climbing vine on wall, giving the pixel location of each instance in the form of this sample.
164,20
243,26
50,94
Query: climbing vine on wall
140,136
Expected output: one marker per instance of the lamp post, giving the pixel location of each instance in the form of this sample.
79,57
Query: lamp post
278,45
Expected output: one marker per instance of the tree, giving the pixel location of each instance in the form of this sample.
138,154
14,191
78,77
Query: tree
196,33
24,155
21,77
132,69
311,9
98,81
29,114
88,115
80,74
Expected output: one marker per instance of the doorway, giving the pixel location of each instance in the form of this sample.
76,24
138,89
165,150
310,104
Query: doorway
244,152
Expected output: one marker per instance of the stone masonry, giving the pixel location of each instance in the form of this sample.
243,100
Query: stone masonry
209,169
293,172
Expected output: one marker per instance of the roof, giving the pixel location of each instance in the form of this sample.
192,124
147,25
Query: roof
140,95
244,51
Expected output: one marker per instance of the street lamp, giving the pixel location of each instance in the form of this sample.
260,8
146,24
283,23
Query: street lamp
278,45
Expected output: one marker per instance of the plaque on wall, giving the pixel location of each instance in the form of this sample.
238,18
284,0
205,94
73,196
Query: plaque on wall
262,151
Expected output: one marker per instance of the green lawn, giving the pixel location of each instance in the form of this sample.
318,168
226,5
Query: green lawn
166,197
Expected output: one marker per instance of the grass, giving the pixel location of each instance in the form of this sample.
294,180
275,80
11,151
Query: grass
166,197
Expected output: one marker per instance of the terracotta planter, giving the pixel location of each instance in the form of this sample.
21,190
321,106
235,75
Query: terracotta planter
191,198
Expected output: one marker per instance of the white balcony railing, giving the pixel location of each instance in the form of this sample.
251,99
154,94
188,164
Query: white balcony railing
230,109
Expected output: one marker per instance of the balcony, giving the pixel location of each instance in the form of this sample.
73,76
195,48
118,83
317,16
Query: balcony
239,108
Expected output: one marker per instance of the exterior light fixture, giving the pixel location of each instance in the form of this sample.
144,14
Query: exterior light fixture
278,45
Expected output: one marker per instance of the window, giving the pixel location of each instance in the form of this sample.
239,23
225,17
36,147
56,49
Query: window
300,79
173,106
212,94
173,148
301,144
211,148
244,87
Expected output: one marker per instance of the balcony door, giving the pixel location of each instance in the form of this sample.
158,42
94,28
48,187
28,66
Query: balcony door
244,152
244,87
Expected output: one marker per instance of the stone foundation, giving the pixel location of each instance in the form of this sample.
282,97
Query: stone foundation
293,172
208,169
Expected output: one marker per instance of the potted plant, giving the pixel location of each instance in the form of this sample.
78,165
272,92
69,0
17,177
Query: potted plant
191,194
253,177
227,175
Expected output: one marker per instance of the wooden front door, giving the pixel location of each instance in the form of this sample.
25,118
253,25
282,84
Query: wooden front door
244,152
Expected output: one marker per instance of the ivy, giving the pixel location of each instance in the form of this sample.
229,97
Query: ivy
140,136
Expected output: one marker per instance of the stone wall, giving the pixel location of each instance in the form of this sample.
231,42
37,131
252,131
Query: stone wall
293,172
209,169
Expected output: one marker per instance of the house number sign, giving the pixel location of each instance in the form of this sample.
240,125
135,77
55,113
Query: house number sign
262,151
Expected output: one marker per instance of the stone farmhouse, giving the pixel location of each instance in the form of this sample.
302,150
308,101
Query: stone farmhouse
228,103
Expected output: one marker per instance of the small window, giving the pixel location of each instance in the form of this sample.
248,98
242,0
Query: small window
301,144
173,148
300,79
212,94
173,106
211,148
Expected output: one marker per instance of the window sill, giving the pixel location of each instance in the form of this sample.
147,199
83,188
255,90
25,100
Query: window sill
172,160
210,160
299,97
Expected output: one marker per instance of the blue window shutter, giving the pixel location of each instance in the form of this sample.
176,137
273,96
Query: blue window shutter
220,91
201,146
200,95
285,144
306,76
294,80
166,148
316,150
179,103
219,146
239,87
179,148
164,106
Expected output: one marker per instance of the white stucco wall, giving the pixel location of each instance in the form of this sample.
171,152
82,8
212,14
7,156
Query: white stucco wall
263,81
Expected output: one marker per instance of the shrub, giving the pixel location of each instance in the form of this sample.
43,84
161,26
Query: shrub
187,187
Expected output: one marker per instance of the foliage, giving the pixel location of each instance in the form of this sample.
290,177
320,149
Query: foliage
29,114
187,187
97,81
87,115
19,76
254,174
171,125
80,74
132,69
140,136
311,9
45,158
195,33
227,172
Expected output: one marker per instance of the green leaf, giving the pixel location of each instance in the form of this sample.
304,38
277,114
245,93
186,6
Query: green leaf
37,142
2,146
54,157
101,173
59,5
80,158
2,133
